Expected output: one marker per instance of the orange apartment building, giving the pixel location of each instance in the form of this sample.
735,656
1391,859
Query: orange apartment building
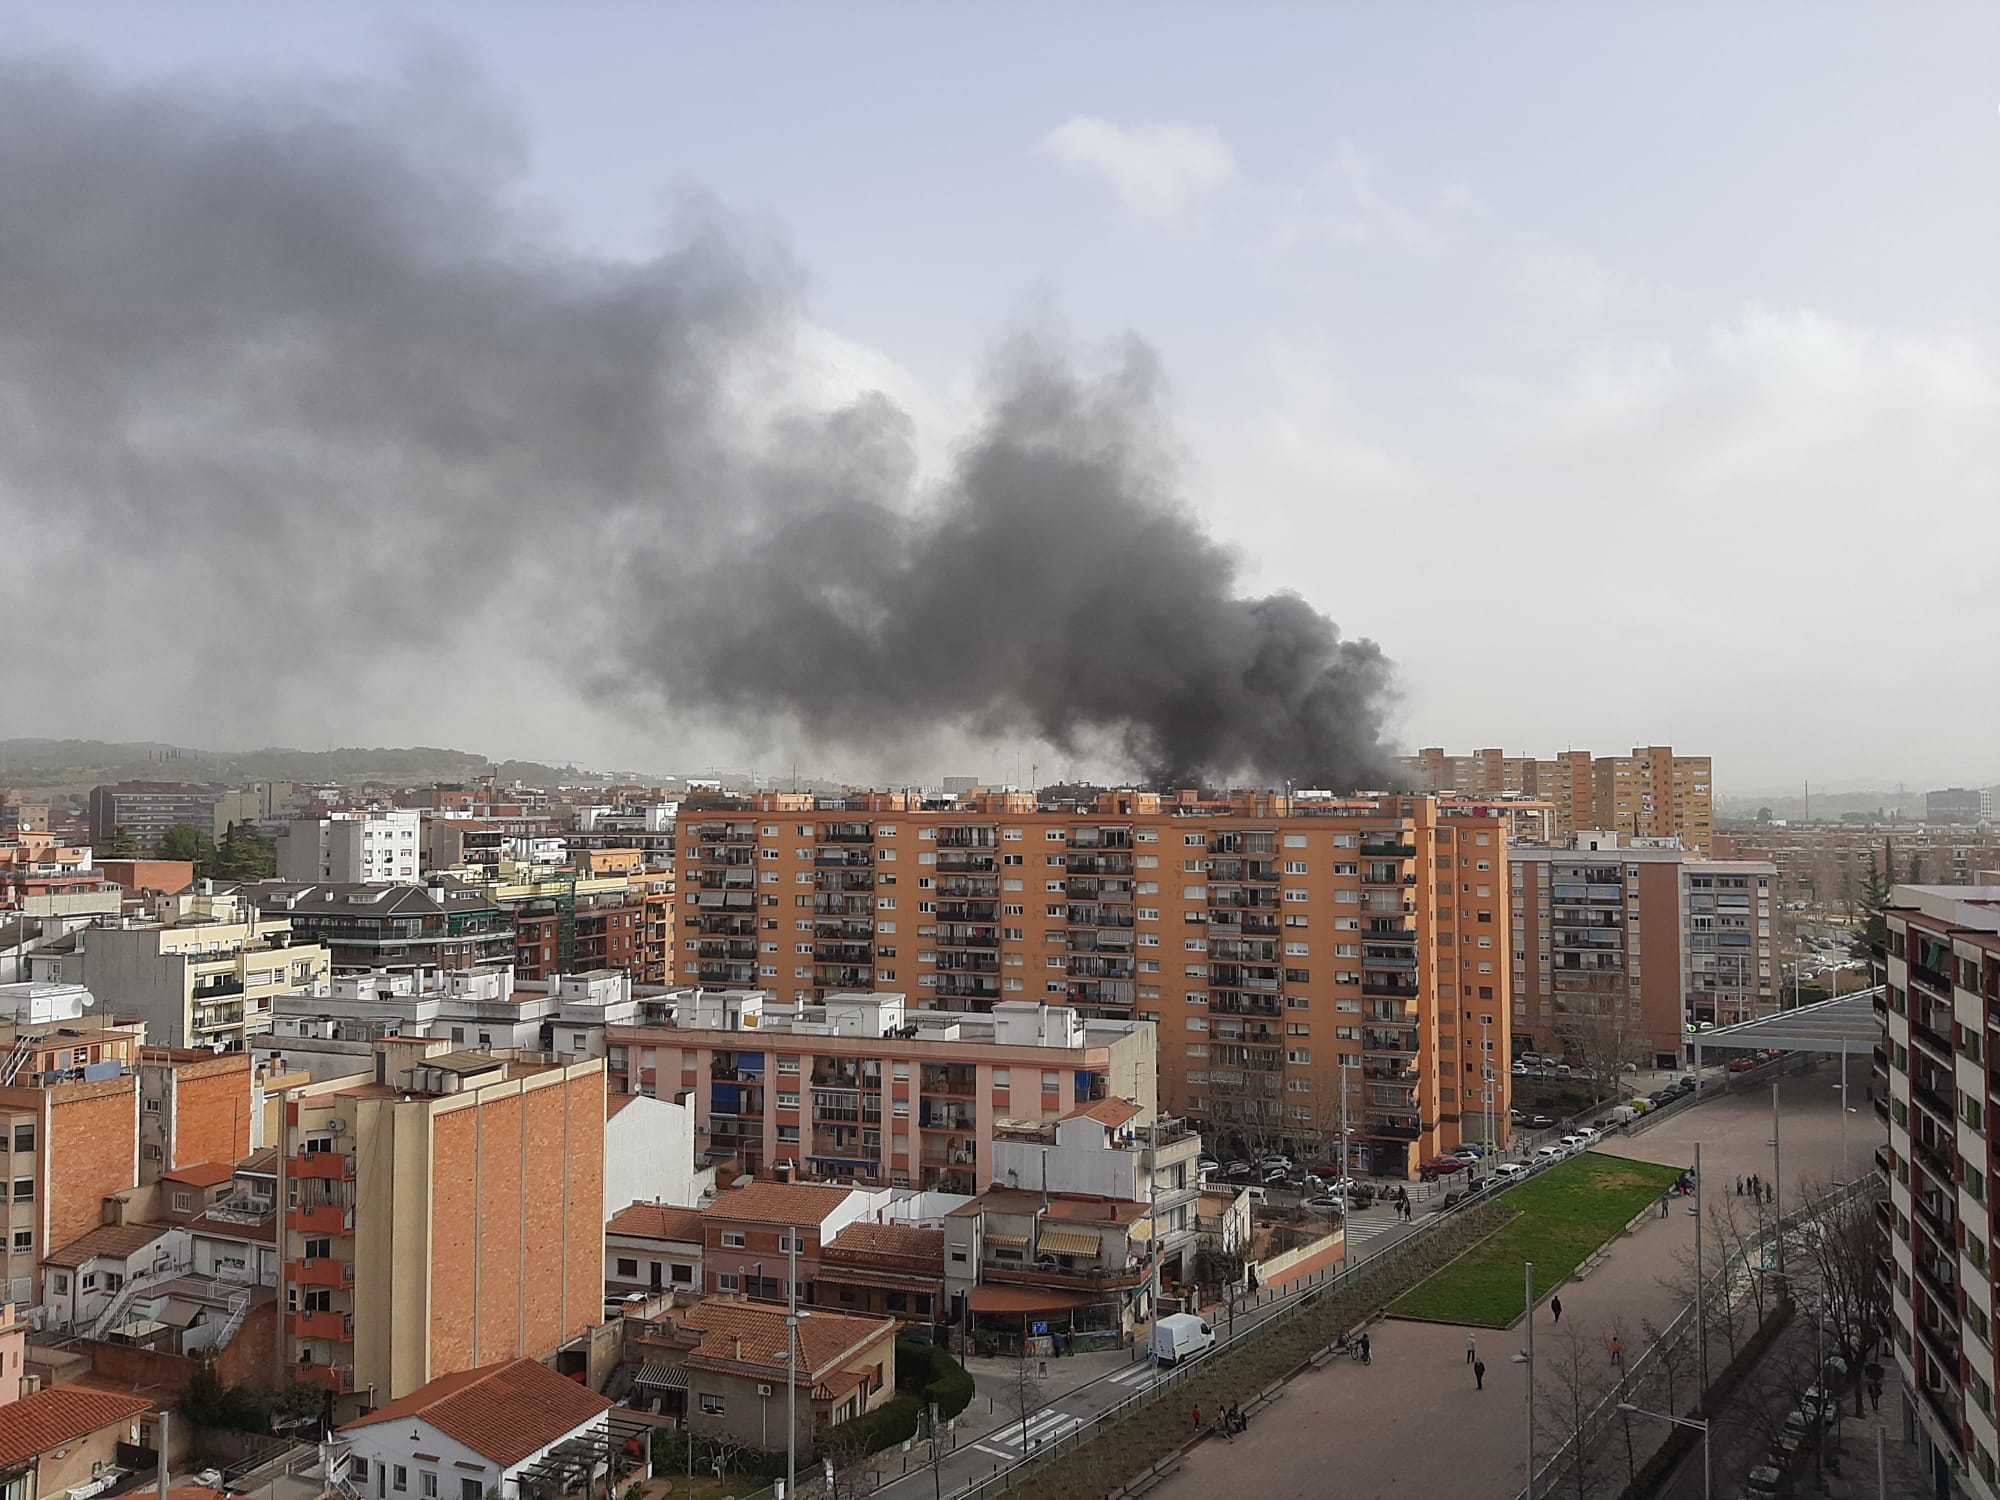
1287,949
1651,793
442,1213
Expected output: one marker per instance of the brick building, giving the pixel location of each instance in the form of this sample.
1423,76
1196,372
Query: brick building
446,1210
194,1106
1651,793
747,1235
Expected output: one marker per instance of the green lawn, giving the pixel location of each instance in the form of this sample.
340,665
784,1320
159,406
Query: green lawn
1560,1219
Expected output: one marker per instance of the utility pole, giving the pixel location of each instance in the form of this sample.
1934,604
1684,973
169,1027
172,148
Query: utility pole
1343,1142
1700,1321
1486,1082
1777,1178
1528,1267
792,1369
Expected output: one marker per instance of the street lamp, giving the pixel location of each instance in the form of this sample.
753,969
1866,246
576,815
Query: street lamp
1707,1476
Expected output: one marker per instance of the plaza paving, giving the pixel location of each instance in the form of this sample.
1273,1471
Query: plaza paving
1412,1424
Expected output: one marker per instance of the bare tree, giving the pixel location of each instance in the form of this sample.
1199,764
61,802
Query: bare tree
1024,1390
844,1456
1598,1026
1569,1384
1842,1248
1674,1357
934,1445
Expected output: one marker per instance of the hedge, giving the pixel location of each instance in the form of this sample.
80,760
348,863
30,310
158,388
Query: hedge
936,1377
890,1423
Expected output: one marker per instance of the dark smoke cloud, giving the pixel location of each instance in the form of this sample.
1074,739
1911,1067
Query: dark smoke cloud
296,365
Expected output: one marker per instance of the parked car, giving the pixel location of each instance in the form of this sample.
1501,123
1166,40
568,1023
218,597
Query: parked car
1324,1203
1742,1064
1258,1197
1541,1122
1550,1153
1179,1336
1237,1169
1281,1163
1506,1169
1443,1165
1467,1151
1516,1116
1207,1165
1520,1070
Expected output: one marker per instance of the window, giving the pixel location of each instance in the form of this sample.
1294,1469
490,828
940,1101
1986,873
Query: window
24,1190
732,1239
711,1406
399,1478
629,1269
471,1489
1295,867
427,1484
183,1202
319,1247
728,1281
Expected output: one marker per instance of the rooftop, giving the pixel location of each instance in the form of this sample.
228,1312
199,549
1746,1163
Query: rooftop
202,1174
788,1203
50,1419
1111,1112
502,1412
112,1241
1069,1207
888,1241
657,1221
739,1334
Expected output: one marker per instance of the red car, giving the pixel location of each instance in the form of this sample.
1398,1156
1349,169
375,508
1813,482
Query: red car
1742,1064
1439,1166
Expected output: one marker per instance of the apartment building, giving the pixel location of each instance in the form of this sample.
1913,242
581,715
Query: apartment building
202,971
1620,945
442,924
1959,804
1937,1083
345,848
69,1122
864,1089
445,1210
1275,941
196,1107
147,809
1651,793
1828,866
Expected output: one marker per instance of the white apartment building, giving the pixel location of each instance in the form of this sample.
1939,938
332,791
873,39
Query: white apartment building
379,848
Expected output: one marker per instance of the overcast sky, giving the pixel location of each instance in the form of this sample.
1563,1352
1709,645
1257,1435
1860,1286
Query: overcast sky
1629,378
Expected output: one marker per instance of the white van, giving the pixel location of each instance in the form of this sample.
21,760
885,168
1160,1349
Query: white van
1258,1197
1180,1336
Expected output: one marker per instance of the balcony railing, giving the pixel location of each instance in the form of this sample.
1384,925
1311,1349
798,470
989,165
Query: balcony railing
338,1379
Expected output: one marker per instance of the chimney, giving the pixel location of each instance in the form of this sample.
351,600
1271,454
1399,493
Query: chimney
736,1348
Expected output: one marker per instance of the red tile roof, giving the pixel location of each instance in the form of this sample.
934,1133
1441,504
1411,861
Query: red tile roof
115,1241
657,1221
202,1174
503,1412
865,1241
1112,1112
47,1420
739,1334
800,1203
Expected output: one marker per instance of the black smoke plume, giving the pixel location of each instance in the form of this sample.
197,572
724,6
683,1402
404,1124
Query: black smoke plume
291,389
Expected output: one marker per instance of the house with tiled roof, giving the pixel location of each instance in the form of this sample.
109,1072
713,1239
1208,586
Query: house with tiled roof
652,1247
84,1278
722,1365
892,1270
747,1234
63,1437
1071,1263
492,1430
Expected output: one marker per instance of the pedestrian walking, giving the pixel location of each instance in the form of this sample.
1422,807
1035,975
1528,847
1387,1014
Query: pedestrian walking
1197,1416
1366,1357
1479,1374
1472,1348
1664,1210
1556,1307
1875,1393
1617,1352
1739,1185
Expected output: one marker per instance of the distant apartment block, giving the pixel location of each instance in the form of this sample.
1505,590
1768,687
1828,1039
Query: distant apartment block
445,1211
147,809
1959,804
379,848
1651,793
443,923
202,971
1273,940
1938,1076
1619,946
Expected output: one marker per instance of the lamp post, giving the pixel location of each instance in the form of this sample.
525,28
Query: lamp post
1527,1357
1707,1474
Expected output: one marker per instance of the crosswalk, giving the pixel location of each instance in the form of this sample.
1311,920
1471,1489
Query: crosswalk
1045,1426
1361,1229
1138,1375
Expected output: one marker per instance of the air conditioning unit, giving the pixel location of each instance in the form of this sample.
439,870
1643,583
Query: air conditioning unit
336,1127
763,1390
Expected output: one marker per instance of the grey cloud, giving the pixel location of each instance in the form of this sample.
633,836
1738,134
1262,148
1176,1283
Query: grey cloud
316,365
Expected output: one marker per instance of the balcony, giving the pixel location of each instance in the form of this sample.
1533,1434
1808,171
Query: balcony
837,859
338,1379
1390,850
322,1270
1392,1129
1937,1160
321,1218
323,1323
1389,989
324,1166
1935,980
967,864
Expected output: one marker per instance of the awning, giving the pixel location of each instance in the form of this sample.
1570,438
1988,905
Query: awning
1068,1242
1008,1241
1024,1299
662,1375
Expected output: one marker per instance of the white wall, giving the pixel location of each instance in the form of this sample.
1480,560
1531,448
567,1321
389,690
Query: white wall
649,1155
393,1443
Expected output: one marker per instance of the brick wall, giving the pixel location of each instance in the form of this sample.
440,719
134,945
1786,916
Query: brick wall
212,1110
583,1161
454,1202
92,1152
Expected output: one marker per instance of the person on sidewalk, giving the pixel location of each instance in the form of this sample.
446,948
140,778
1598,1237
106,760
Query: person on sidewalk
1472,1348
1556,1307
1366,1357
1617,1352
1479,1374
1197,1416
